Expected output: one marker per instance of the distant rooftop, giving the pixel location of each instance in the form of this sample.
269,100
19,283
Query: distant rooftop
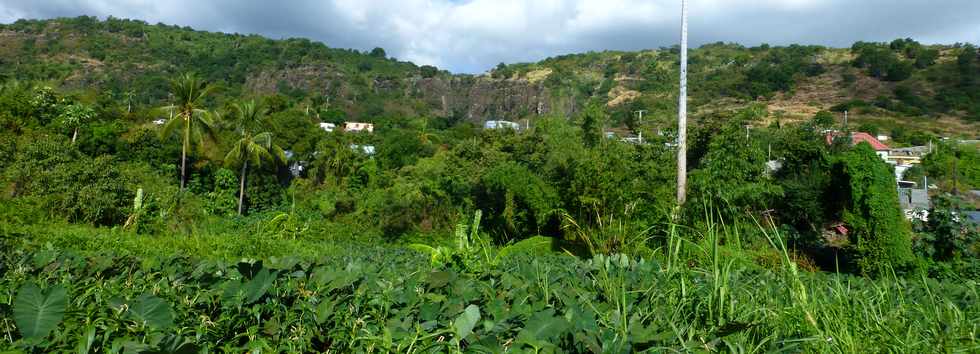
858,137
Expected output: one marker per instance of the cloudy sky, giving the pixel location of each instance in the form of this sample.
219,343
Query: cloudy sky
473,35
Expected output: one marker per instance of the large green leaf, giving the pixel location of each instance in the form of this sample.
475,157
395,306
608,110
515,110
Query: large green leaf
543,326
257,287
36,313
153,311
534,244
466,321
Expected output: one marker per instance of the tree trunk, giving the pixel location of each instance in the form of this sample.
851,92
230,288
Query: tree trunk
183,154
241,188
74,136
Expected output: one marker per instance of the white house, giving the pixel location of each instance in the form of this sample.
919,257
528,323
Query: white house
365,149
159,121
501,124
358,127
328,127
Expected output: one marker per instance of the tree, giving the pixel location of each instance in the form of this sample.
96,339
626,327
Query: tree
592,120
379,52
189,116
130,97
251,148
823,119
74,116
864,194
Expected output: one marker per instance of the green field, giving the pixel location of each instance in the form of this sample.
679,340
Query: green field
102,291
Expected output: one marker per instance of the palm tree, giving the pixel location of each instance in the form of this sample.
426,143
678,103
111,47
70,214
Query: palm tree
195,122
74,116
250,148
130,96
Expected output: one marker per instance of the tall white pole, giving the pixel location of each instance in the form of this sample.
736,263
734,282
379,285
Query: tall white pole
682,114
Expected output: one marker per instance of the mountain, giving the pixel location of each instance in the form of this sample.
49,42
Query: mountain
901,84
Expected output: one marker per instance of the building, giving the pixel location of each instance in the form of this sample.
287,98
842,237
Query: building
914,202
907,156
328,127
364,149
881,149
159,121
501,124
358,127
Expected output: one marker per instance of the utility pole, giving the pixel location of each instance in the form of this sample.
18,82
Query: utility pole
682,114
640,113
845,121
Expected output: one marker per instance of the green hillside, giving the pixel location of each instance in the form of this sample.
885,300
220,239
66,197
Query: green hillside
899,84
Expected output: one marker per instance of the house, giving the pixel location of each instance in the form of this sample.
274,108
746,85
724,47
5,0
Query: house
364,149
633,139
501,124
358,127
159,121
858,137
972,217
915,203
328,127
773,166
835,234
907,156
296,168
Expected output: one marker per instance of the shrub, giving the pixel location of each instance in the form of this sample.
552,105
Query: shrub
518,202
70,184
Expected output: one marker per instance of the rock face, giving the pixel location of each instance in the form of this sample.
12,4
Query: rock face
473,98
479,99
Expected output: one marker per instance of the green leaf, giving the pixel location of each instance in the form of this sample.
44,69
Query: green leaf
535,244
543,326
36,313
153,311
85,342
257,287
466,321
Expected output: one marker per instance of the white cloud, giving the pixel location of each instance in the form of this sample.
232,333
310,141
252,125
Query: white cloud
473,35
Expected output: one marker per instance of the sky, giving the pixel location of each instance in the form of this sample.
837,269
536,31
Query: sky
472,36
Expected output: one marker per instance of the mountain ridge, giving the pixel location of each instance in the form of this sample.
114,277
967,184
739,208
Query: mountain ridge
792,82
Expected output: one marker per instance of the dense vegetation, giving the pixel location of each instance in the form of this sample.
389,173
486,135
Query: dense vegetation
121,232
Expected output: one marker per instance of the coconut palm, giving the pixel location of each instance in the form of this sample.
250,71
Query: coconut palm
251,149
189,116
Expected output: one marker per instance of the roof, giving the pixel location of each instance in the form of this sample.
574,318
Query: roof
913,198
858,137
973,217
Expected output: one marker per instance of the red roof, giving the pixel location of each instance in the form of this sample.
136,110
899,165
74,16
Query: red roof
858,137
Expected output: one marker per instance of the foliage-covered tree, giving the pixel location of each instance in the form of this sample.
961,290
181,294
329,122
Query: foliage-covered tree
592,119
864,192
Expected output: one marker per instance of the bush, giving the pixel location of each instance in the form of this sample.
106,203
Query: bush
518,202
70,184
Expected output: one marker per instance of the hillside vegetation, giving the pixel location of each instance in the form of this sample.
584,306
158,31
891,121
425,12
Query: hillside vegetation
902,84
